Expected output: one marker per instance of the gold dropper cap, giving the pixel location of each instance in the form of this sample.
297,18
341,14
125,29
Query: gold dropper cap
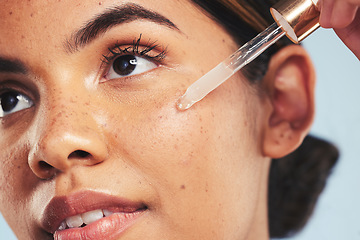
298,18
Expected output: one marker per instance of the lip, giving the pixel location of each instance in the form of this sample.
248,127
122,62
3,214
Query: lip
126,212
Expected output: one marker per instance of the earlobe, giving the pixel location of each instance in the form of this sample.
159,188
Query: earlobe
290,82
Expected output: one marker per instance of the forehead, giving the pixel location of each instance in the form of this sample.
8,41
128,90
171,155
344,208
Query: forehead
43,23
71,13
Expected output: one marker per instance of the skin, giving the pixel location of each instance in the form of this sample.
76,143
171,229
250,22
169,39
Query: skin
198,178
344,17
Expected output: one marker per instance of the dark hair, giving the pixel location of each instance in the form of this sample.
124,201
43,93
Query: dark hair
295,181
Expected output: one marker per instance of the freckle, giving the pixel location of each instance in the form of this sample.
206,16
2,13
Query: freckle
182,187
59,114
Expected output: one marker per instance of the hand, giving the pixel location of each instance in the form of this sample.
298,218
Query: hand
344,17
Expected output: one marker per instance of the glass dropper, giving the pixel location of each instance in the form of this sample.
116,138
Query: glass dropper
244,55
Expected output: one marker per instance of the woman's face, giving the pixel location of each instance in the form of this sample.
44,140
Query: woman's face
89,122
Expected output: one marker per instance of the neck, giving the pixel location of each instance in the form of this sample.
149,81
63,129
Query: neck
260,226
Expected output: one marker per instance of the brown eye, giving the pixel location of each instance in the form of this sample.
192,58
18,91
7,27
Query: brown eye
128,65
12,101
124,65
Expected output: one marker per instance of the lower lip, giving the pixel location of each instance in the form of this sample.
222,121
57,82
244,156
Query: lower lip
103,229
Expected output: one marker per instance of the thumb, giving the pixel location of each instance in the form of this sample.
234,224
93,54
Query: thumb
337,13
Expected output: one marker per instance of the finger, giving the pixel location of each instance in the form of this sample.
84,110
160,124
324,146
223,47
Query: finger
326,8
351,35
337,13
343,13
354,2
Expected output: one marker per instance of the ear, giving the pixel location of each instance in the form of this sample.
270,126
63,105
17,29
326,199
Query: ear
290,82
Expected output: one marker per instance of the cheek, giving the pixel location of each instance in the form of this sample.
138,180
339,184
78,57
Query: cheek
201,161
16,184
12,171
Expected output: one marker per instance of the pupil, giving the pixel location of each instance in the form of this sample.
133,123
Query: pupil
125,65
8,101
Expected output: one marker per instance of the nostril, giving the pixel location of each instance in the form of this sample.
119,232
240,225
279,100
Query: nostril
45,166
79,154
47,171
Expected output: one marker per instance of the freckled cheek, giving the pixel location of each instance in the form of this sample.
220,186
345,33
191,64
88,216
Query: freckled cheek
170,149
16,179
160,134
158,139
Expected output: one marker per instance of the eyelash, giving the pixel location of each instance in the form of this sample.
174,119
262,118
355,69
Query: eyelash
136,49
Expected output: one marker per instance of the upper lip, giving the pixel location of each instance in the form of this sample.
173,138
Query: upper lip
60,208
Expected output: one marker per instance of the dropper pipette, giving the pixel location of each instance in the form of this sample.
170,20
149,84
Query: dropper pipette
296,19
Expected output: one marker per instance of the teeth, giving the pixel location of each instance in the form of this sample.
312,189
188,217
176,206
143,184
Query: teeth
92,216
74,221
62,226
107,213
84,218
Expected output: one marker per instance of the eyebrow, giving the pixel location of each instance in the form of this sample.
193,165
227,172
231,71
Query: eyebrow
12,66
112,17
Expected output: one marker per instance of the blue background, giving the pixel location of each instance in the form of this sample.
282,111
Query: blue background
338,120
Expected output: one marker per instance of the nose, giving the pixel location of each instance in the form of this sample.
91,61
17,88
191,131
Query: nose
68,137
